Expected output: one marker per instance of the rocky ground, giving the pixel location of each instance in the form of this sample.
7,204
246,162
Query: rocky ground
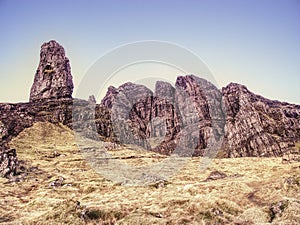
56,185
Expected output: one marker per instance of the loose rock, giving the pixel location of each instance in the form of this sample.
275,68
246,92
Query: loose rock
8,162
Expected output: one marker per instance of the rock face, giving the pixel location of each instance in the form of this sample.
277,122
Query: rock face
195,115
170,119
53,78
191,118
256,126
200,104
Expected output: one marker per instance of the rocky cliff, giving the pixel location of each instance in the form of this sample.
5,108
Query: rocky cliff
170,119
53,78
256,126
191,118
248,124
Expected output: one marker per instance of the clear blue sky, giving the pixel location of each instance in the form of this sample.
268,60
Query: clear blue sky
255,43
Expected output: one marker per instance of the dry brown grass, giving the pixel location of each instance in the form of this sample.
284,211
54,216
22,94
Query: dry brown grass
243,197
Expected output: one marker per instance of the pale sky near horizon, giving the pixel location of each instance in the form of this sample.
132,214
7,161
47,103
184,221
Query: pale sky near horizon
255,43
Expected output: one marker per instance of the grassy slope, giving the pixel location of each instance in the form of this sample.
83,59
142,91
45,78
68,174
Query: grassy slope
244,197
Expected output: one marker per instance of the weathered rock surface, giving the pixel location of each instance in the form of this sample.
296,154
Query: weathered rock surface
8,162
50,98
53,78
195,115
16,117
201,110
170,119
291,156
191,118
256,126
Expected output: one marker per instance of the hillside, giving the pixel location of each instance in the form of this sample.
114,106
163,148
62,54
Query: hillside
56,177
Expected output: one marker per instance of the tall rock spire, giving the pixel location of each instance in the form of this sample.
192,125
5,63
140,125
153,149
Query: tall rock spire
53,78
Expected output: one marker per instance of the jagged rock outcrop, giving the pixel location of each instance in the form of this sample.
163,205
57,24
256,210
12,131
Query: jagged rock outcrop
130,109
50,99
256,126
53,78
248,124
200,104
170,119
14,118
165,121
191,118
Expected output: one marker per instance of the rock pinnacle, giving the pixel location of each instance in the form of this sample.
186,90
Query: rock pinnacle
53,78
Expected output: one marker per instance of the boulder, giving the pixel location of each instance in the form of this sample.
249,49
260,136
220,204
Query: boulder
8,162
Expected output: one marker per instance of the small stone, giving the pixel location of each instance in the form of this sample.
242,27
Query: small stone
57,183
217,212
276,209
